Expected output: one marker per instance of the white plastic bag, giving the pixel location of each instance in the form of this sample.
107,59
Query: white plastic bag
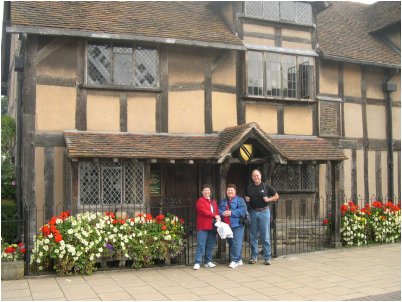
224,230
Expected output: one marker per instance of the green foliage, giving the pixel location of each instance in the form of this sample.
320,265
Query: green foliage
4,105
8,129
8,220
8,185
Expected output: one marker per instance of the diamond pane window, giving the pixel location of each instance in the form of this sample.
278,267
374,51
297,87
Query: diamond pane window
89,183
294,178
271,10
134,183
99,64
253,8
304,14
288,11
107,182
146,63
111,183
122,65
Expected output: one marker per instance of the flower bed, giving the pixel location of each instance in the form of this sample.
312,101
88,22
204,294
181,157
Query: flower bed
72,244
12,261
378,223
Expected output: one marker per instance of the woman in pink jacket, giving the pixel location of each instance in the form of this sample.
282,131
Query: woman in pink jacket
207,215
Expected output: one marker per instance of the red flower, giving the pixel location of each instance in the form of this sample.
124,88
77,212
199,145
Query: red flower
159,218
377,204
353,209
9,250
23,250
52,221
110,214
181,220
344,208
45,230
58,238
325,221
149,217
64,215
164,227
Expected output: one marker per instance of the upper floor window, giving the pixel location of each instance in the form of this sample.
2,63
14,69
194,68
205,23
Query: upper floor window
111,183
110,64
279,75
289,11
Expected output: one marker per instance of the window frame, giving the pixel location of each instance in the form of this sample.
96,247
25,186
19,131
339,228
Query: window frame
302,169
100,165
281,77
277,11
112,84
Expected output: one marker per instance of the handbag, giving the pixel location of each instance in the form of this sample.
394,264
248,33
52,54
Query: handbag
245,219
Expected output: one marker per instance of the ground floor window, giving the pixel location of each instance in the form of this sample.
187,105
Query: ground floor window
294,178
109,182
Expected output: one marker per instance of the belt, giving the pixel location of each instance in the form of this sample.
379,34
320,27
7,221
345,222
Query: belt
260,209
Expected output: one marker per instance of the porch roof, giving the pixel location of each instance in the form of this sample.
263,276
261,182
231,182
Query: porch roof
215,146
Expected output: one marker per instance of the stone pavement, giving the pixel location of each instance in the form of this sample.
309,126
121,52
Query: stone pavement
357,273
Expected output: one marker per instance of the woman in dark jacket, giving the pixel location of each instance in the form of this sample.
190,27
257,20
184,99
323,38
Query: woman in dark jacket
207,212
231,208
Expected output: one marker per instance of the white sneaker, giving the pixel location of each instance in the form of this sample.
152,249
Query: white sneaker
196,266
209,264
240,262
233,264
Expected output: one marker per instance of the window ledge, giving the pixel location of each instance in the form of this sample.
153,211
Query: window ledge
119,88
278,100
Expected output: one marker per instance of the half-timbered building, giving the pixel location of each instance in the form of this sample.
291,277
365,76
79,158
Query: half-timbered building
130,103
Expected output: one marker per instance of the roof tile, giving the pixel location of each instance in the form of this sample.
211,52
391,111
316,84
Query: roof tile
186,20
342,32
82,144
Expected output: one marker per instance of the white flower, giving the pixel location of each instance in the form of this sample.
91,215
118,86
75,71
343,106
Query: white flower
46,248
70,231
46,241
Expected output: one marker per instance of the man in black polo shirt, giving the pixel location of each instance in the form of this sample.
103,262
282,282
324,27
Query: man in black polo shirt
258,196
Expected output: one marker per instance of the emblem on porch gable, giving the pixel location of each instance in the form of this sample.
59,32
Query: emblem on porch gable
246,153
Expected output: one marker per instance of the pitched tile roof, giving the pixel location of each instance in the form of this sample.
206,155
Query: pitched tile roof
307,148
183,20
383,14
343,33
216,146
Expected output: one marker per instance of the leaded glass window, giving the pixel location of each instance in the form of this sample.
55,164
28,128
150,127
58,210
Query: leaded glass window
294,178
122,65
285,76
107,182
289,11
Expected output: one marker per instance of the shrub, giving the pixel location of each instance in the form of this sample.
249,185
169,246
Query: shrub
8,220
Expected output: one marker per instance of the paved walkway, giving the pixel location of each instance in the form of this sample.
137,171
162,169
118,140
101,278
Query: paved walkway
358,273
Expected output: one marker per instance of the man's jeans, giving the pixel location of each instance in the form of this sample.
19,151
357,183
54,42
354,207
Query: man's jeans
235,243
206,241
260,221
